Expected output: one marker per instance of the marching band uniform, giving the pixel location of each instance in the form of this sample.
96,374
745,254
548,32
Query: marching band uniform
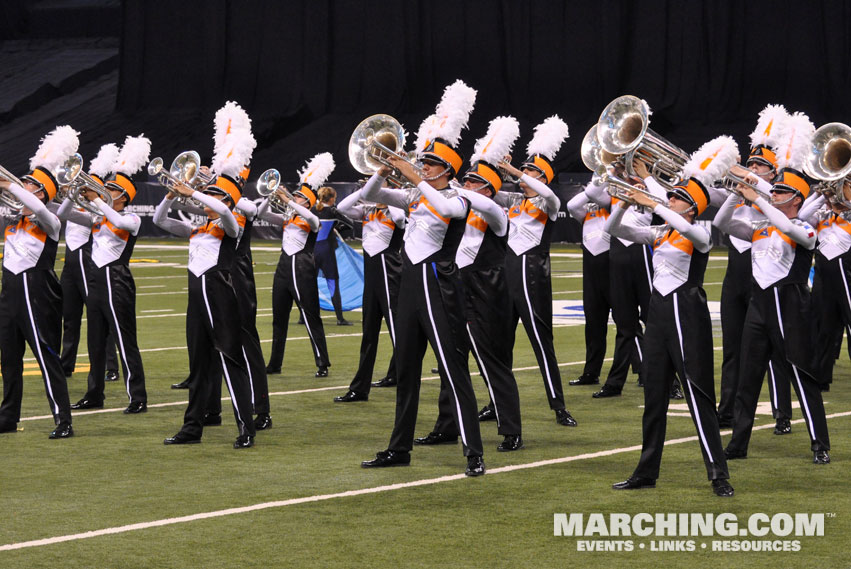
325,253
678,339
31,297
295,279
383,227
778,320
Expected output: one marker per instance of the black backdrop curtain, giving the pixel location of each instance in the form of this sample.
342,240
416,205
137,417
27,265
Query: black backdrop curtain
308,70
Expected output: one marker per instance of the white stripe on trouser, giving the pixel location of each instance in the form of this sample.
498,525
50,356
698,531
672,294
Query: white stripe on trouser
638,349
485,375
803,396
221,355
83,271
390,324
118,333
298,298
772,377
647,268
250,377
37,347
687,382
437,342
535,329
845,283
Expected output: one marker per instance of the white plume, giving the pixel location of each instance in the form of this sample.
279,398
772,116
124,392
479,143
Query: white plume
317,171
711,161
794,141
101,166
133,155
548,138
769,126
426,133
229,119
55,148
453,112
234,154
498,141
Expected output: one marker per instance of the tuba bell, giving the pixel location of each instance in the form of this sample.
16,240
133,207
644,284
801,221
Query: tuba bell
373,142
623,130
72,176
829,158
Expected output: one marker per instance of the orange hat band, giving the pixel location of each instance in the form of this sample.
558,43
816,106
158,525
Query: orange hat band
244,174
486,174
447,154
229,187
123,183
47,181
763,154
694,192
793,181
307,192
541,164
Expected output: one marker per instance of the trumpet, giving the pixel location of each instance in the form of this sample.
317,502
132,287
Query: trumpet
71,176
7,198
736,176
268,186
373,142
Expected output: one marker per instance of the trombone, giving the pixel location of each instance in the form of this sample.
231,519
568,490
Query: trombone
71,175
268,186
7,198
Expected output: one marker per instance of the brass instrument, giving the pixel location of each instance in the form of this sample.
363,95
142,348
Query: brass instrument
829,159
623,131
8,199
373,142
185,170
268,186
602,164
736,176
618,188
72,176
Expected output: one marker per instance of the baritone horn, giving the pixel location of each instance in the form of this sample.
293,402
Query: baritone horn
268,186
7,198
185,170
829,158
373,142
623,130
72,176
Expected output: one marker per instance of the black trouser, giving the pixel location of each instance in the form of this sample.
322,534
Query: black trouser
381,276
531,293
112,310
832,303
214,342
630,281
75,289
735,295
295,281
433,313
766,337
679,341
246,300
31,313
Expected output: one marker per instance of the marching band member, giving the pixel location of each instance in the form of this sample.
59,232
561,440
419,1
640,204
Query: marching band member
325,250
112,291
31,297
213,339
678,339
532,214
736,288
78,264
383,227
778,319
433,311
295,276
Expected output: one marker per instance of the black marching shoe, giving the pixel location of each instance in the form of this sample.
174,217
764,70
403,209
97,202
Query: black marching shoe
384,458
564,418
262,422
585,380
510,443
640,381
351,396
435,370
475,466
321,371
87,404
182,385
722,488
182,438
606,391
212,419
244,441
635,483
136,407
62,431
733,454
436,439
111,375
385,382
487,414
821,457
676,391
343,322
782,427
273,370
